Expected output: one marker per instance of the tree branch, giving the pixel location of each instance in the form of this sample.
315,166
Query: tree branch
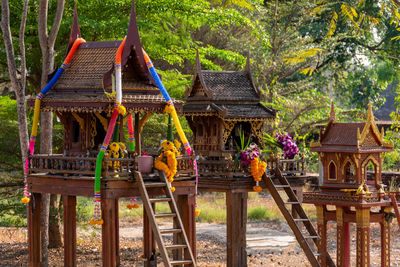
42,24
56,23
22,45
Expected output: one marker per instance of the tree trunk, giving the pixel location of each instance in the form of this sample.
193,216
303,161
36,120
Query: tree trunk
47,41
54,223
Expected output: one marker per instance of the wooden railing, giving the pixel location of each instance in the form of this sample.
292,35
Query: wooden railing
80,165
185,167
86,166
226,168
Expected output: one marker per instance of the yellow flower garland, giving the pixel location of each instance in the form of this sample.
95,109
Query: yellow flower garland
170,169
257,168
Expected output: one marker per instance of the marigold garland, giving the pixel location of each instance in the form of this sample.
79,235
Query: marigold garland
169,168
257,170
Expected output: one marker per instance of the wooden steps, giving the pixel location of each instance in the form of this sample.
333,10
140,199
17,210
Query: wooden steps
182,253
308,241
395,207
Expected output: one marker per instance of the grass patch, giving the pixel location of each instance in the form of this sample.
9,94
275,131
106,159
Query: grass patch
262,214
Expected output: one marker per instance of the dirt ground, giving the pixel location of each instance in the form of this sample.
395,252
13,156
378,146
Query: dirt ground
211,246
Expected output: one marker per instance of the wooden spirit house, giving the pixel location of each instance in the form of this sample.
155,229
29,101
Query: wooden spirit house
352,155
220,105
80,102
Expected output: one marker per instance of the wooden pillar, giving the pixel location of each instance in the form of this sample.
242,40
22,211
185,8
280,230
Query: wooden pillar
186,209
137,134
69,204
109,243
34,231
343,238
385,243
236,219
149,244
322,232
363,231
116,225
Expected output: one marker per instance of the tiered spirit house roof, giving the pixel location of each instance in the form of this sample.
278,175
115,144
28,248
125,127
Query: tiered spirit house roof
79,97
351,154
220,101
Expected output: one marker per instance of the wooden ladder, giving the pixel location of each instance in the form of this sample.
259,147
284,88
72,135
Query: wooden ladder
295,223
187,258
395,207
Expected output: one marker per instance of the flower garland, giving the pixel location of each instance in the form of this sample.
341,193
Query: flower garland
170,168
288,145
257,170
257,167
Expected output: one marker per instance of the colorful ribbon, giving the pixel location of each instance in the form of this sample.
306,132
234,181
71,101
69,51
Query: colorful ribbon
118,109
36,113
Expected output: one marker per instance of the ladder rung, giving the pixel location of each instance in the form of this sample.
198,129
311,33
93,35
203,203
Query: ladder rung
176,246
179,262
282,185
155,184
292,202
311,237
164,199
301,220
165,215
316,254
170,231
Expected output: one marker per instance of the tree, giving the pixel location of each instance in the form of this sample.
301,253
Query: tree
47,41
17,76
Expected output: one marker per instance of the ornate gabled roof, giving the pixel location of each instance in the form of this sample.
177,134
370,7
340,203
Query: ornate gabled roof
358,137
90,71
229,94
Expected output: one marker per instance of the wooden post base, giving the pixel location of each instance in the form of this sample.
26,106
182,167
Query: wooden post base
69,204
236,219
34,231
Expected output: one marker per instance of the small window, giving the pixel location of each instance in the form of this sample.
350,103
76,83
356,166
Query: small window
215,130
332,171
200,130
75,132
349,172
370,172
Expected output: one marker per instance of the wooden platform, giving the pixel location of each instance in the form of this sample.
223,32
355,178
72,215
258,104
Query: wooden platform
111,190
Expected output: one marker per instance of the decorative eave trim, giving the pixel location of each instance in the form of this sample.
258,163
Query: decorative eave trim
315,144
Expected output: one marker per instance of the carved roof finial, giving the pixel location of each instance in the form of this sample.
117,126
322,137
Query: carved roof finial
332,116
198,65
75,31
370,116
247,68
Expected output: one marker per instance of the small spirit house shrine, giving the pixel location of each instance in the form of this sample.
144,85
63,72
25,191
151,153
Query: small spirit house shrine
352,155
84,100
220,106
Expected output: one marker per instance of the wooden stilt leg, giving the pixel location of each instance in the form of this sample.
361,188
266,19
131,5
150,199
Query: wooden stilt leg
236,219
343,238
322,232
34,231
108,232
385,243
187,212
363,231
116,224
69,204
149,244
